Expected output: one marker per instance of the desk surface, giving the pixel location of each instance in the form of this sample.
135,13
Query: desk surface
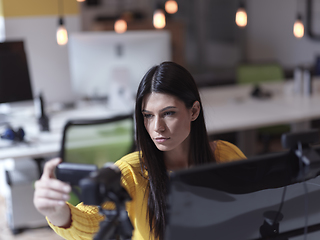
47,144
231,108
226,109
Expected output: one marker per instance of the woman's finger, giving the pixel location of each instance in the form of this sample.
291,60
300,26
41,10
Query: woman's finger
44,203
51,194
53,184
49,168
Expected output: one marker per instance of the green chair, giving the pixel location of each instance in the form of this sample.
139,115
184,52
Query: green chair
97,141
255,74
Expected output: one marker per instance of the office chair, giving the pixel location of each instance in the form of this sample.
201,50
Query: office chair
257,73
97,141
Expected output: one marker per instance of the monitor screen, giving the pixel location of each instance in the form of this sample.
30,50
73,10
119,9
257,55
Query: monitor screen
248,199
101,60
15,85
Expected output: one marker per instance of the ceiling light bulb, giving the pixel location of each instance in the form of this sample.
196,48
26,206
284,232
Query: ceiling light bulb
171,6
241,17
62,34
80,0
159,19
298,28
120,26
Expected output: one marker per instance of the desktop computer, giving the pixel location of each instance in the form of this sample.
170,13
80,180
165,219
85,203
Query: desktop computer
108,65
18,177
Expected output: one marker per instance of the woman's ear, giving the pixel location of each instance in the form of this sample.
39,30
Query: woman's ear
195,110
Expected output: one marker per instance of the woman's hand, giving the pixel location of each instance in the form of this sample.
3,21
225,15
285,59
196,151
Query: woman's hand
51,194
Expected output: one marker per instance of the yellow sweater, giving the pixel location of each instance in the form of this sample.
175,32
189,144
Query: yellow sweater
86,219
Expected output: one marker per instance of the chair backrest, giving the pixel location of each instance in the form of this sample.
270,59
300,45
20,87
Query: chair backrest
97,141
256,73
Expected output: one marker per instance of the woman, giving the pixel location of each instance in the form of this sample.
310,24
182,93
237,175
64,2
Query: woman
170,134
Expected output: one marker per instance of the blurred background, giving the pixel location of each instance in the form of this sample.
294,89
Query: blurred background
205,38
73,50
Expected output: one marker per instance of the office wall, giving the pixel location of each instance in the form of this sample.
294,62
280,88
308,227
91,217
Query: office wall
112,8
2,31
211,35
267,37
36,21
199,49
269,33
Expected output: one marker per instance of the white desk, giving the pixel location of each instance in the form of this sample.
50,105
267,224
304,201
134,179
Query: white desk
231,108
228,108
47,144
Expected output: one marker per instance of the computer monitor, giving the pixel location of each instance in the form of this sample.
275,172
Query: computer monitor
264,197
15,85
102,64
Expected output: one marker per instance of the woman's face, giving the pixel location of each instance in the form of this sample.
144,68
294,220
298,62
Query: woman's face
167,120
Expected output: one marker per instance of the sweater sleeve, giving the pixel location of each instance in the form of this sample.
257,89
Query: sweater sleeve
84,223
85,219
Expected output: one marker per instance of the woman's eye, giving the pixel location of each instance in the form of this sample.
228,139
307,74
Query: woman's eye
147,115
169,113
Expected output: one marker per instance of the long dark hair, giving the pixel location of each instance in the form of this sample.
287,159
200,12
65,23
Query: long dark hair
168,78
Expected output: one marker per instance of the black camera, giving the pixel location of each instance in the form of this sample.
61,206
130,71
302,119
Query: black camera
72,173
98,186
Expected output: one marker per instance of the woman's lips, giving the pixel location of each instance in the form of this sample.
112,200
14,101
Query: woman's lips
161,139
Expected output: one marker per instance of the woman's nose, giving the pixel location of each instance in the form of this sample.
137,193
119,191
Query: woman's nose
159,125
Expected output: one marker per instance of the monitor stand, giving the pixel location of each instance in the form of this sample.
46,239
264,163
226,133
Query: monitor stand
3,119
4,111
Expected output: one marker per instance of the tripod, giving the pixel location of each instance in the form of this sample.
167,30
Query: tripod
117,224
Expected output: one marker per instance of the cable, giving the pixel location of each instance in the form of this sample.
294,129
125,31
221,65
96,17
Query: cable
306,211
60,8
281,205
305,193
